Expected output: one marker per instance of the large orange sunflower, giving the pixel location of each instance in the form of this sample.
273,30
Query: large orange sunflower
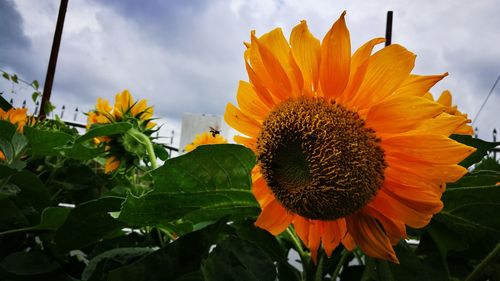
349,148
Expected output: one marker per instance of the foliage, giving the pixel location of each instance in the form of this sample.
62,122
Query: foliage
193,217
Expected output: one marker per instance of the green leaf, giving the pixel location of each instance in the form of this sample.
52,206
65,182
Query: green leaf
235,259
99,266
207,184
6,75
14,78
89,223
45,143
481,146
267,242
179,260
160,151
81,151
477,178
35,84
488,163
7,130
28,264
156,209
105,130
35,96
52,219
33,191
4,104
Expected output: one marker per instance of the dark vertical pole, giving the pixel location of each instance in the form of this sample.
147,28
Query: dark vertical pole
51,69
388,29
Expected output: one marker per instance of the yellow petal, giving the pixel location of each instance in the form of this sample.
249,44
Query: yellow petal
269,70
445,98
426,148
359,64
250,103
241,121
400,114
417,85
335,59
306,50
387,69
112,163
275,42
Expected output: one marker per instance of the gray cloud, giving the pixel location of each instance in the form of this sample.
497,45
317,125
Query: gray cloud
187,56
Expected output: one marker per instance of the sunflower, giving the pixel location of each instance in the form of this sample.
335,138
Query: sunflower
204,139
349,149
16,116
124,110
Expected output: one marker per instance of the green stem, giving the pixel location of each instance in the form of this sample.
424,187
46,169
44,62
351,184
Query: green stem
297,243
303,255
149,146
490,258
319,268
343,258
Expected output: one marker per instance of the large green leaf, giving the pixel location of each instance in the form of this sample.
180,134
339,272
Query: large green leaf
207,184
105,130
44,142
411,267
81,151
179,260
236,259
52,219
4,104
99,266
477,178
89,223
481,146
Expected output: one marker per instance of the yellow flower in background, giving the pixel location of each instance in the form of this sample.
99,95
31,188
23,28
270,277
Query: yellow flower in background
349,148
124,110
16,116
464,129
203,139
112,163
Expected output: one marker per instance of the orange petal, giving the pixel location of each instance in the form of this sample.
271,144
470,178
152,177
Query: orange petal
426,148
387,69
306,50
250,103
277,44
405,177
269,70
335,59
401,114
331,236
301,226
444,124
359,64
262,192
241,121
260,88
314,239
427,172
418,85
349,242
370,237
274,218
112,163
383,211
416,209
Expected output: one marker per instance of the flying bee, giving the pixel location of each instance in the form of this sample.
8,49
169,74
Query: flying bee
214,131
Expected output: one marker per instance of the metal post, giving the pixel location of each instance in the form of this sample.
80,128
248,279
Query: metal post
388,29
51,69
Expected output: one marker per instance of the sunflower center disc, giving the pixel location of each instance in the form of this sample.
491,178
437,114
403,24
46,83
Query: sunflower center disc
319,159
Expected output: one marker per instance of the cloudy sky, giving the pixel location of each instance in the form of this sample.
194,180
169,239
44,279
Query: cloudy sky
187,56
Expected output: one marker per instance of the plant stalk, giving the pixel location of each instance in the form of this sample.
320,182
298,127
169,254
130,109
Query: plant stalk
490,258
343,257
